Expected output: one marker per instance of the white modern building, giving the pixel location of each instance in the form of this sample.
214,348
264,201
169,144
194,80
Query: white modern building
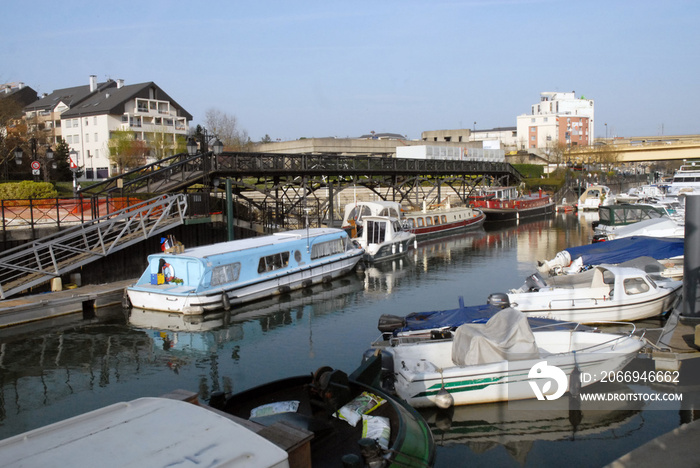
86,116
557,118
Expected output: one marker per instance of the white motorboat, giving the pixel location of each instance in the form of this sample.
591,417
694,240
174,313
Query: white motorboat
603,293
383,238
667,252
595,196
503,360
657,227
686,181
614,217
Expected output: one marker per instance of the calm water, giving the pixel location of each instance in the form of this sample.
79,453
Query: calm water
51,373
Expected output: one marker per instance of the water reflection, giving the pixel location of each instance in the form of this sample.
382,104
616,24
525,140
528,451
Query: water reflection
516,427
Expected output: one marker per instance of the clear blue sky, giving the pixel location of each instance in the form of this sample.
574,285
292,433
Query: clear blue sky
294,69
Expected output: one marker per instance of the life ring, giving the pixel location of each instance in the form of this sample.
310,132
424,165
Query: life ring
168,272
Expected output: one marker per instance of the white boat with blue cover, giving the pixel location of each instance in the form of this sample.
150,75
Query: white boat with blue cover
502,360
229,273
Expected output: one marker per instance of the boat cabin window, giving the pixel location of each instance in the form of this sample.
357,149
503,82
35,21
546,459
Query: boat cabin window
376,232
428,221
436,220
273,262
324,249
397,226
389,212
421,222
410,223
359,211
225,273
443,218
635,286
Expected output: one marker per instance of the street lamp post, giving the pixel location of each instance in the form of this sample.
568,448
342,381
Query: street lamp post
74,169
48,156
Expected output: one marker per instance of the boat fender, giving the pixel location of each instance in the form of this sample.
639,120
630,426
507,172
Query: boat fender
443,399
225,301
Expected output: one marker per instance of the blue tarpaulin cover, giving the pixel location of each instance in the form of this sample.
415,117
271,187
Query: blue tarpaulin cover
464,314
627,248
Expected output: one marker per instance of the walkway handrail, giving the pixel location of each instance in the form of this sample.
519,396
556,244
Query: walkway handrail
37,262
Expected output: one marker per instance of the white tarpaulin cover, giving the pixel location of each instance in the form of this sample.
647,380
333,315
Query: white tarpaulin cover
506,336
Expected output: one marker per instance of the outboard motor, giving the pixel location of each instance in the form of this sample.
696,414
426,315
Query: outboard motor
499,300
388,323
534,282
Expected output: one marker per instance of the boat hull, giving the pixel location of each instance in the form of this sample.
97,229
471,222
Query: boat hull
516,214
449,228
599,311
189,303
420,375
388,250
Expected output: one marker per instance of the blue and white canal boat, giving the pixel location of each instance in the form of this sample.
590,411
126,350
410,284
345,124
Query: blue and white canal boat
222,275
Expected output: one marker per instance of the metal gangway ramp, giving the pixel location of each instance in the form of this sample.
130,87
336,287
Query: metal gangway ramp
51,256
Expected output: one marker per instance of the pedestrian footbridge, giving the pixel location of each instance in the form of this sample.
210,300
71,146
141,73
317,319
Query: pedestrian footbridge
41,260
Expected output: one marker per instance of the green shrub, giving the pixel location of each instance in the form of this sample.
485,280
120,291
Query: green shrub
27,189
529,171
548,184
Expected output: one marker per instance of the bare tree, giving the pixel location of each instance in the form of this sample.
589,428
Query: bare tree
225,127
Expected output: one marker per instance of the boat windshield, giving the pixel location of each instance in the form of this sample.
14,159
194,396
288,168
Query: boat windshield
376,232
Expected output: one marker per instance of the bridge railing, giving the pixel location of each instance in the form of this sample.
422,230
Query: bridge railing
36,213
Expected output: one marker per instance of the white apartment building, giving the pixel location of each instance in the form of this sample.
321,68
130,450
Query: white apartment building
86,116
558,117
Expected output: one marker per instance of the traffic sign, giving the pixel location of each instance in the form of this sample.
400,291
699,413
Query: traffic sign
36,172
36,165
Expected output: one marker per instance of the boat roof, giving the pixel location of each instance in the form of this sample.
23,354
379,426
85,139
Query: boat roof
253,242
143,432
381,218
374,206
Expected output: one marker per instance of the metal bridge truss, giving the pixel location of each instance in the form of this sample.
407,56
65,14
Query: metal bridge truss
285,185
39,261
